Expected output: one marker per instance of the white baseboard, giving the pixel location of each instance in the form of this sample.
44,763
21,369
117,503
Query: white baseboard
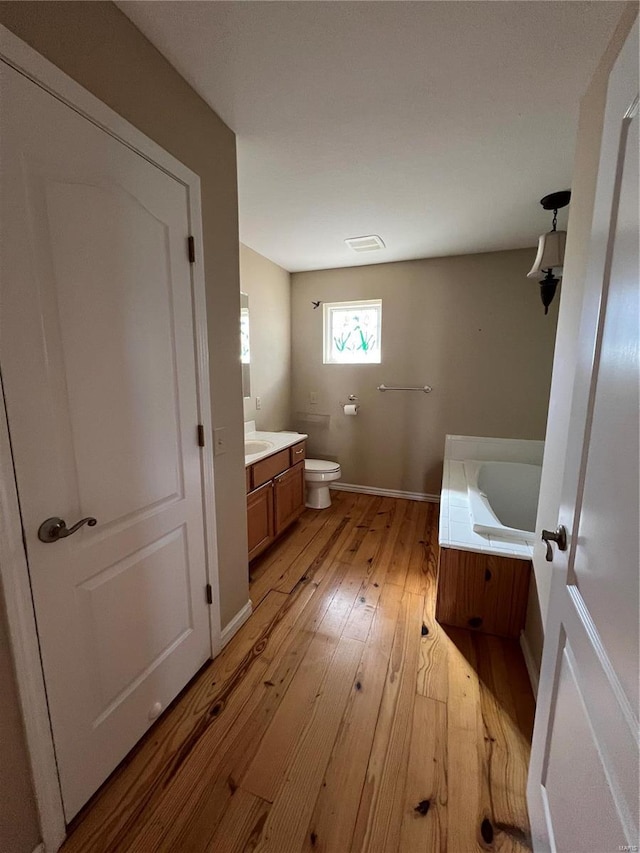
235,624
385,493
532,669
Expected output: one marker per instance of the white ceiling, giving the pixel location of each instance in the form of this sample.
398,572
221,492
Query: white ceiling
437,125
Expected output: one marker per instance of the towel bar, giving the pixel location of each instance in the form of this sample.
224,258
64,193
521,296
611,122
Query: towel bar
426,388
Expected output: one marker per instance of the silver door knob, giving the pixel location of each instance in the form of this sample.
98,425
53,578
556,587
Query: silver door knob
56,528
559,537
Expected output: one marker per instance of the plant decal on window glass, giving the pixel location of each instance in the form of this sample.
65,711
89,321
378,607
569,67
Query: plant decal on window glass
361,341
245,351
352,332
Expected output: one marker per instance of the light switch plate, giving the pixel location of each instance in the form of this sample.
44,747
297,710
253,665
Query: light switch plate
219,441
258,403
313,398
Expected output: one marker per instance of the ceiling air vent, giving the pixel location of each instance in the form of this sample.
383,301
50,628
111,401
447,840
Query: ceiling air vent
365,244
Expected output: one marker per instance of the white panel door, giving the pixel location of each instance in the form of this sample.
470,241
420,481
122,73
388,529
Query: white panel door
97,351
584,774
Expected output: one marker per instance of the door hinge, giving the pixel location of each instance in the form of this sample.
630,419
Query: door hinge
191,246
200,435
209,592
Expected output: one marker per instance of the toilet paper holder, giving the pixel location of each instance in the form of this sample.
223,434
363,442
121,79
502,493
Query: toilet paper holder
352,406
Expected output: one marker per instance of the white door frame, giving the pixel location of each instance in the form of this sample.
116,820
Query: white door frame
14,573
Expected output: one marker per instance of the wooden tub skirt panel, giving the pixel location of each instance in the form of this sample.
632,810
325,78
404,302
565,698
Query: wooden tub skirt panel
482,592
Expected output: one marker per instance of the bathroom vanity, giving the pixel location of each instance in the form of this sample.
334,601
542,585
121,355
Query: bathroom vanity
274,464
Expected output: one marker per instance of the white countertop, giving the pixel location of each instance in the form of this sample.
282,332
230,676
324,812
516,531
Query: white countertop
277,440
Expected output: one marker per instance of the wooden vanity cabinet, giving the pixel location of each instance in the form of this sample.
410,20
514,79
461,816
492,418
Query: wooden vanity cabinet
267,469
289,497
276,497
298,452
260,527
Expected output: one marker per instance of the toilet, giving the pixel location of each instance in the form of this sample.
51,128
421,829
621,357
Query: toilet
317,476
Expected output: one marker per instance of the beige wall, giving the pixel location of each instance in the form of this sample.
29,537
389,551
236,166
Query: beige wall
585,173
100,48
473,327
269,289
19,832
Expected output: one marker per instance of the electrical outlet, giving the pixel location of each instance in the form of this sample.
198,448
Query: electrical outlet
313,398
258,403
219,441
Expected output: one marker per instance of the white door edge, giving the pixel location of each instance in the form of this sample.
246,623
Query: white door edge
13,565
14,575
204,413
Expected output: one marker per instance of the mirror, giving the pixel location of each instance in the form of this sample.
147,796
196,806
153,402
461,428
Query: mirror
245,350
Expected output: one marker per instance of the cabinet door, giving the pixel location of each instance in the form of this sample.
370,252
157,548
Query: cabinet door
260,519
289,496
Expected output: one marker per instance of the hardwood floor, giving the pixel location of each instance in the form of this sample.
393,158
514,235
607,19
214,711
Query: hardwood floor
340,718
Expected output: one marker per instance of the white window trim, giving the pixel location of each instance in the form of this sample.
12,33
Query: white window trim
327,336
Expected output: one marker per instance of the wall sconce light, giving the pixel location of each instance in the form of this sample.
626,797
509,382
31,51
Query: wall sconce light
547,267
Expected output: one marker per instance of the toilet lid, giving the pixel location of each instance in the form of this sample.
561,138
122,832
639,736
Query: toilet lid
320,466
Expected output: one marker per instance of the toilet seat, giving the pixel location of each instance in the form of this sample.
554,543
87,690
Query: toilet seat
320,466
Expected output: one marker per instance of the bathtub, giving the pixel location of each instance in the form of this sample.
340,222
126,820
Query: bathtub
503,498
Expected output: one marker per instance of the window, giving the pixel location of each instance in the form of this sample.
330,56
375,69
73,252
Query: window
352,332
